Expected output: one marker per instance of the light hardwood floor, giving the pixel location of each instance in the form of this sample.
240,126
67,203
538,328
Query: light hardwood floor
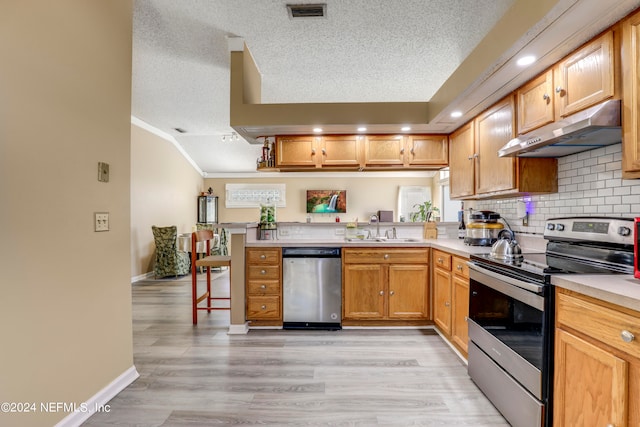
200,376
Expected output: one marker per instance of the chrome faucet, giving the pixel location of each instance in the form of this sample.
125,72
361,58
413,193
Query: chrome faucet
393,233
374,218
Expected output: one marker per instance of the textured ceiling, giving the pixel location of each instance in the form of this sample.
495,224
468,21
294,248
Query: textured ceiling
362,51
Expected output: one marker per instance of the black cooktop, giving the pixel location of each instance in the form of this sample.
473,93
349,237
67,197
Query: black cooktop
541,265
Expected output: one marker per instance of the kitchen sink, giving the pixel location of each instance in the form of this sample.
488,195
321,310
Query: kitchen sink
383,240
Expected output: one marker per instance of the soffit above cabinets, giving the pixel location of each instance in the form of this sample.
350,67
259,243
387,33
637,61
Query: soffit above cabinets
562,28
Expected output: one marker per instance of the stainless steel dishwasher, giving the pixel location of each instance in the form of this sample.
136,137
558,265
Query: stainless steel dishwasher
312,288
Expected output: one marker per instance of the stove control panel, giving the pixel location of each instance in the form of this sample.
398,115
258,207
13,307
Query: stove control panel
590,229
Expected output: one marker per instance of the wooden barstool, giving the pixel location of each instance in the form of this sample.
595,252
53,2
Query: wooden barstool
209,261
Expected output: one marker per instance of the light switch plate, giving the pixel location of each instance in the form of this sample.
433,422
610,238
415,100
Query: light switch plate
101,221
103,172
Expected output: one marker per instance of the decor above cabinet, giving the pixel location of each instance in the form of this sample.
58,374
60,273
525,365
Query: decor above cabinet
361,152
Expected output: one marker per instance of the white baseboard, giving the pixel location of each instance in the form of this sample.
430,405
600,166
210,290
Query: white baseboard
144,276
242,329
100,399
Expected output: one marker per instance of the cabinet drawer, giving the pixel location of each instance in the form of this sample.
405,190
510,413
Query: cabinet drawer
263,287
263,307
600,322
460,267
263,256
392,255
442,260
263,272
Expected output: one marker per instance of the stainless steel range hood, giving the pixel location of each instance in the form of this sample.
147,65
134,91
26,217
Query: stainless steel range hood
594,127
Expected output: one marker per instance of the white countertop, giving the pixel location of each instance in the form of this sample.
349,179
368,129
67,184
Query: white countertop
454,246
621,289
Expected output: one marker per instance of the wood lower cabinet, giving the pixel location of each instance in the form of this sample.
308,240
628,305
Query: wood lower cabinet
597,363
631,97
451,298
442,291
460,304
385,284
264,286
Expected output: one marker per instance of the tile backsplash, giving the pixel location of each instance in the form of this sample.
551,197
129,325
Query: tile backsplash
589,184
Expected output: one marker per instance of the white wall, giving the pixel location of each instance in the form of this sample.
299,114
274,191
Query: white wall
365,195
164,190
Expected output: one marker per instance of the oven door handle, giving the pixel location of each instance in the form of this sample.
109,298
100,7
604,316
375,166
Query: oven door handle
528,293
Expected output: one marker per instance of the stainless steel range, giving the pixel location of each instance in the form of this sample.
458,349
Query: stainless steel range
511,311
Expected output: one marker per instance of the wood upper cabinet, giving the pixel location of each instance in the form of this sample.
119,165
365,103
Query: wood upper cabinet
340,151
385,284
297,151
586,77
631,97
536,103
384,150
432,150
495,176
597,363
494,128
461,162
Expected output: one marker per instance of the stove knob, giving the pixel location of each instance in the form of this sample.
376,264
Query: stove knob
624,231
551,227
560,227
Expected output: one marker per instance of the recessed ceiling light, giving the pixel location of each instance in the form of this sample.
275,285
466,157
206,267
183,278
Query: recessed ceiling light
456,114
405,128
317,130
526,60
362,129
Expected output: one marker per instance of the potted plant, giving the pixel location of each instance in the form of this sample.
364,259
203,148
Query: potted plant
424,212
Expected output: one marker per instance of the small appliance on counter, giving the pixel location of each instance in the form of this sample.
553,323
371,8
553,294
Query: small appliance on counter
483,228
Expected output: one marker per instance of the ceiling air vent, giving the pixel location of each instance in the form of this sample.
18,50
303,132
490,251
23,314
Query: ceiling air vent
318,10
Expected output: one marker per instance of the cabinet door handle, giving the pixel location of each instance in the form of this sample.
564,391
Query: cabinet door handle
546,97
440,260
263,307
627,336
263,256
324,152
386,256
459,267
413,150
559,89
402,150
313,151
381,293
263,271
263,286
466,318
391,293
447,304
